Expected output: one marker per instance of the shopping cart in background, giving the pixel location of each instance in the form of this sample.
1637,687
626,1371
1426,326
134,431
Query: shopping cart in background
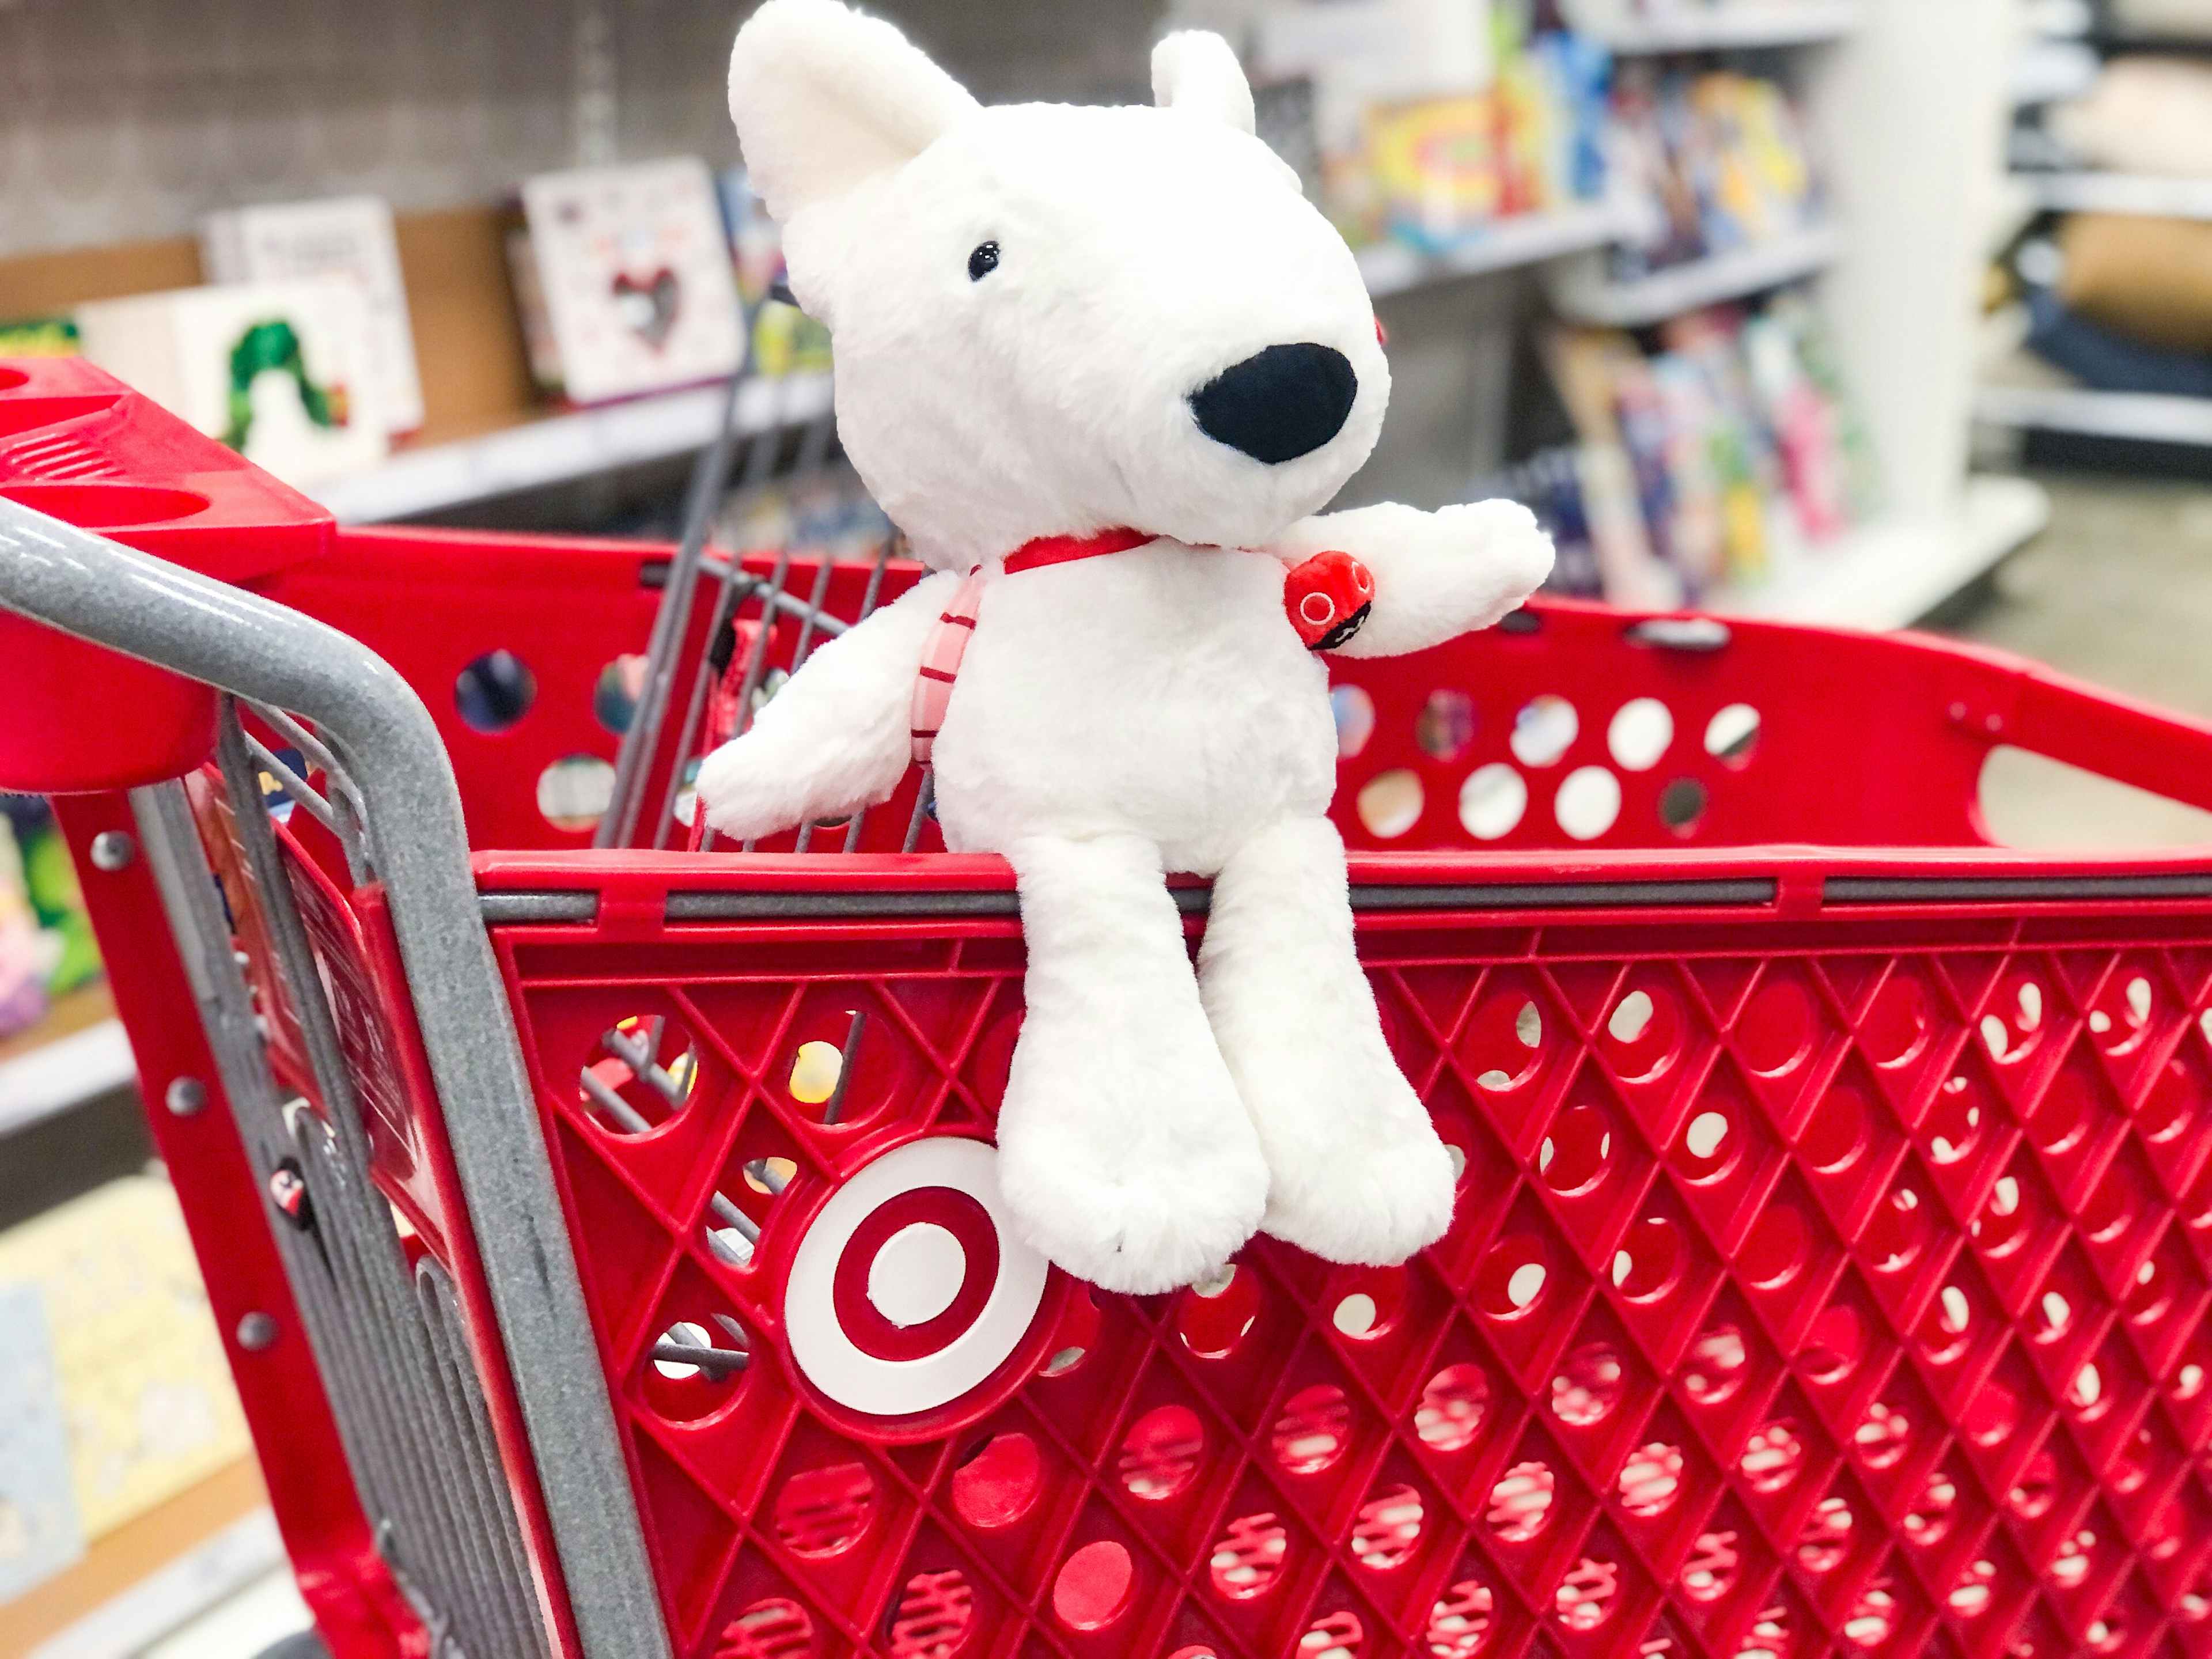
1834,1247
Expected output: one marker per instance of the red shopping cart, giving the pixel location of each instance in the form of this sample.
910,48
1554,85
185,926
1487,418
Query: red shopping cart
607,1238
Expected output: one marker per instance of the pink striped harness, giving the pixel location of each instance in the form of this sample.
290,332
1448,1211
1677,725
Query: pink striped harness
948,639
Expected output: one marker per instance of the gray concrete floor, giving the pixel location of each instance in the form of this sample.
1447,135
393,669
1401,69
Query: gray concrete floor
2118,591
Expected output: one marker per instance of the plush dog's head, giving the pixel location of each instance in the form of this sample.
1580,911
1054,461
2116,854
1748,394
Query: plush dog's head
1048,319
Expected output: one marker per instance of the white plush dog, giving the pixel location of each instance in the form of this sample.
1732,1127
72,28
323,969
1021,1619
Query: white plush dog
1053,322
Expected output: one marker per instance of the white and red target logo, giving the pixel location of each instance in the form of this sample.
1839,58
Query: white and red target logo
910,1287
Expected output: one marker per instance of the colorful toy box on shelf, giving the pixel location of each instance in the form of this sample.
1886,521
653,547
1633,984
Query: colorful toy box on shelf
1443,170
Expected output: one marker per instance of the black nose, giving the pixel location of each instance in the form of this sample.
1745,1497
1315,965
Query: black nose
1279,403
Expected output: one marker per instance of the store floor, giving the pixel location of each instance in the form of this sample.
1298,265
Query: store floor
2118,592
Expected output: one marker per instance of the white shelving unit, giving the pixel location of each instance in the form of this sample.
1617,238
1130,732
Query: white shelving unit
1725,25
561,447
64,1072
1529,239
2137,415
1892,574
2118,192
1584,293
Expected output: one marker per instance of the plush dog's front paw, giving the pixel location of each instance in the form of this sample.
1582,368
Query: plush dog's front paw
1135,1230
1515,554
745,792
1375,1204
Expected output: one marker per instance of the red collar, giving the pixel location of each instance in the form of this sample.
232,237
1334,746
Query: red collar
1066,550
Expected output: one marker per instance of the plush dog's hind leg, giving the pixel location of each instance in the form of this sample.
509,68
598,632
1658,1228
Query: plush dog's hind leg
1357,1172
1124,1152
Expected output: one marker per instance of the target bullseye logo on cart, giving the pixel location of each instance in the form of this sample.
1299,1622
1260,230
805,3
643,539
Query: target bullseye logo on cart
911,1288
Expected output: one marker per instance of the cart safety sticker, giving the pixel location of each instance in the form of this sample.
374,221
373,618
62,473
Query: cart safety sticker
911,1286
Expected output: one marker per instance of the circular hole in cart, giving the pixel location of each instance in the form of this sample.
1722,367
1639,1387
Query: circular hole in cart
693,1368
1314,1429
998,1482
574,791
494,692
640,1073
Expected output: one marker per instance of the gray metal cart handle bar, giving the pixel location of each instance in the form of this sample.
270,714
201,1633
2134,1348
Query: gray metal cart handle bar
98,591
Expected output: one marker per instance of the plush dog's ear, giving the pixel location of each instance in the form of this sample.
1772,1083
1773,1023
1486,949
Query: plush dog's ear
825,98
1195,70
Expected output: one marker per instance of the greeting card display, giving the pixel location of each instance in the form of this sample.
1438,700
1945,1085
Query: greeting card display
624,277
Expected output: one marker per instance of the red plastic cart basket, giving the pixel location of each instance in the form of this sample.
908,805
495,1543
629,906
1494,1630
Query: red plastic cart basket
1830,1273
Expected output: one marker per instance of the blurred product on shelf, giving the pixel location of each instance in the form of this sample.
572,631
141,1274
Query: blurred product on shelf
49,881
784,339
1442,172
131,1362
38,337
349,239
1727,455
1432,120
2105,303
828,512
1720,157
2144,114
623,277
2177,20
28,954
2149,279
39,1534
279,371
2106,360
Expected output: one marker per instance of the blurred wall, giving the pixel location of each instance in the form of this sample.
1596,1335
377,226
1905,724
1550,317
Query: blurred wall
123,119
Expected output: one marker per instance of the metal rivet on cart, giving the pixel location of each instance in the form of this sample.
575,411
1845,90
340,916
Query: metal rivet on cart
256,1331
185,1096
113,850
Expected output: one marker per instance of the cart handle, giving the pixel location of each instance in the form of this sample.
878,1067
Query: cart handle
108,594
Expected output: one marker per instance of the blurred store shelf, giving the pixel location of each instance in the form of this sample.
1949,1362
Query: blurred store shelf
1890,575
2049,71
1724,26
2138,416
173,1591
2147,194
1584,294
76,1054
560,447
1528,240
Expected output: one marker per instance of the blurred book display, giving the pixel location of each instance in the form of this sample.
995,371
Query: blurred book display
348,238
1727,453
137,1405
1719,156
279,371
784,339
623,276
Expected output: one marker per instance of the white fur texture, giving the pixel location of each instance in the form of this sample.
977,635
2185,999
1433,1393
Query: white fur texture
1196,71
1117,717
1123,1147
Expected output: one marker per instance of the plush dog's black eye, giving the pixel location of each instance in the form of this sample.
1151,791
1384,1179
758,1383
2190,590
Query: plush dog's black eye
983,262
